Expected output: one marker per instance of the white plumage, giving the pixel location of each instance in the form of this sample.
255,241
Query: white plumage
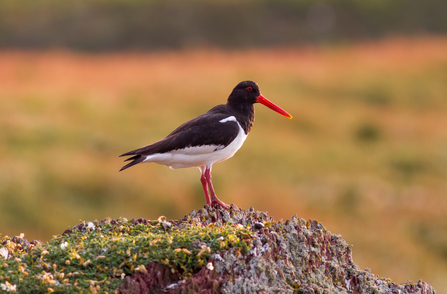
200,156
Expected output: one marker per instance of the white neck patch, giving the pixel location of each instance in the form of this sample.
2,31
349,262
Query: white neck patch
230,118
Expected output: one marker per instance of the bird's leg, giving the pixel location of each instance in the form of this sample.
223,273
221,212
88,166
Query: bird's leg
214,198
205,189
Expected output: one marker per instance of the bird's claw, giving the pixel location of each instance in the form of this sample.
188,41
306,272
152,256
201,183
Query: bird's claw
225,206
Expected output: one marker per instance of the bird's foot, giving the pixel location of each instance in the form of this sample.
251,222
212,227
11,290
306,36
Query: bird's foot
217,201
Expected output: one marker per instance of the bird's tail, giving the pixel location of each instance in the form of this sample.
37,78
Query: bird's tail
136,159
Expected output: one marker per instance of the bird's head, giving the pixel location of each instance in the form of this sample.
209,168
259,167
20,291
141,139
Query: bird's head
247,92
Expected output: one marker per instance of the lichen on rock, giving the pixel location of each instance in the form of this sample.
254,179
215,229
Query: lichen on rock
210,250
295,256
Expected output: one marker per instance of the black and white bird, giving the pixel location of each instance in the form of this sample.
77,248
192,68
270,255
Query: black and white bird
209,138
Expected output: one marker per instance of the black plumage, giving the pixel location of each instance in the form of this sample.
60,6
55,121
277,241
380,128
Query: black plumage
223,126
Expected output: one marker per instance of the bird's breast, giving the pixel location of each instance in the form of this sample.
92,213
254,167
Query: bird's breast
203,155
234,146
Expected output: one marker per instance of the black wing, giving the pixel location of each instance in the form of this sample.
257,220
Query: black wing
202,130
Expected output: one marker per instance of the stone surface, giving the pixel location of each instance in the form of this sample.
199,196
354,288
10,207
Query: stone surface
292,256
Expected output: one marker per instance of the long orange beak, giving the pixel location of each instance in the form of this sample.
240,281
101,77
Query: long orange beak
261,99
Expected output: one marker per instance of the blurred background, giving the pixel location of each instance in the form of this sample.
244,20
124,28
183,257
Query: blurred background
82,82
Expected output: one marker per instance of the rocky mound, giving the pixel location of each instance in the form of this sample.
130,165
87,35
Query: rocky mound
208,251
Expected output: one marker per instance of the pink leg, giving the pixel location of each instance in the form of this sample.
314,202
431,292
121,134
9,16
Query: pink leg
214,198
205,189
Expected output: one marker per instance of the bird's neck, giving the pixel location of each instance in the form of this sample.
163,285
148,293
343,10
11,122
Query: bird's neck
245,115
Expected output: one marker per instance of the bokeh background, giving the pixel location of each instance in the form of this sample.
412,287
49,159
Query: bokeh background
82,82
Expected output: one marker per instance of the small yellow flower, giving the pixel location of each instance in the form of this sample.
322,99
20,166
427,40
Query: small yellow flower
141,268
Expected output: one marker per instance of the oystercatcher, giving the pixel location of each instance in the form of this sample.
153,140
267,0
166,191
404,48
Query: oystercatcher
209,138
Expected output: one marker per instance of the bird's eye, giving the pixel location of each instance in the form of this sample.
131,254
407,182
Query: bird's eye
249,89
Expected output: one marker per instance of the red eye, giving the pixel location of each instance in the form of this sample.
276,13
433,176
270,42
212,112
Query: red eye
249,89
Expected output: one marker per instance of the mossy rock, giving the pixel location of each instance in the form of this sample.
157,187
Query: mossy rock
208,251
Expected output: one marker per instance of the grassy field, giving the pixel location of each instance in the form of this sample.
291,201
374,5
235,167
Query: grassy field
365,154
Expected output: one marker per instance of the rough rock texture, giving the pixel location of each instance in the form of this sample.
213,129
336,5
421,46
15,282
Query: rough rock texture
160,279
295,256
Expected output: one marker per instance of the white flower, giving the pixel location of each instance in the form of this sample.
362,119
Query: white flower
4,252
64,245
209,266
8,287
90,226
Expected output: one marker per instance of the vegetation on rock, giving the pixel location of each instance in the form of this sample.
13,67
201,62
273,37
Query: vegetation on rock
208,251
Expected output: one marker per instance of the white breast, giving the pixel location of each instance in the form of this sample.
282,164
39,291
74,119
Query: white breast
234,146
198,156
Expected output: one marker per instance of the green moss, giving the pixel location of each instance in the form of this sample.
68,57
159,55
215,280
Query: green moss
99,255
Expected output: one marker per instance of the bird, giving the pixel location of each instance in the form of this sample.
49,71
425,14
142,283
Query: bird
207,139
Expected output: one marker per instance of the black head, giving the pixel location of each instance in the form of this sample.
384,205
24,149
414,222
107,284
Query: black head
245,92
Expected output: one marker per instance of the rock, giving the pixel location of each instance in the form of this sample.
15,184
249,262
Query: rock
211,250
295,256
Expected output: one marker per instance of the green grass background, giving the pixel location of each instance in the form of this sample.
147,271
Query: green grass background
365,154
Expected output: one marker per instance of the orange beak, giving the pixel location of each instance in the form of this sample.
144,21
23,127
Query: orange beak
261,99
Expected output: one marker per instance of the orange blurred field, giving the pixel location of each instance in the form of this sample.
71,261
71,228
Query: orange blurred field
366,152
